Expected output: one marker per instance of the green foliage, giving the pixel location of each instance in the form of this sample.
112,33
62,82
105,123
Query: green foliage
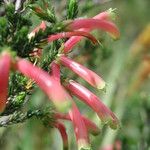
44,10
15,27
45,115
72,9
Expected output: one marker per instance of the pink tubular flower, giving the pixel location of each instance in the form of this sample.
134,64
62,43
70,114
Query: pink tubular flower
88,75
91,126
69,44
94,24
79,128
55,70
60,98
62,130
104,113
70,34
42,27
5,61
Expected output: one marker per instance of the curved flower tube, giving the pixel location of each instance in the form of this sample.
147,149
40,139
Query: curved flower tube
79,128
62,100
63,133
55,70
104,113
5,61
88,75
57,36
91,126
42,27
69,44
91,24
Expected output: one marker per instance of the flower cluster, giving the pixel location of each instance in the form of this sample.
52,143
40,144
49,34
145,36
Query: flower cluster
61,93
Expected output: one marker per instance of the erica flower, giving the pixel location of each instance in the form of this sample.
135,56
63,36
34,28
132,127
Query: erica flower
55,70
62,130
88,75
94,24
70,34
104,113
79,128
42,27
57,36
91,126
48,84
70,43
5,61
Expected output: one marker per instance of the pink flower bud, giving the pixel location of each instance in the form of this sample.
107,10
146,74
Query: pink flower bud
5,61
57,36
91,24
104,113
42,26
79,128
55,70
69,44
91,126
88,75
53,89
62,130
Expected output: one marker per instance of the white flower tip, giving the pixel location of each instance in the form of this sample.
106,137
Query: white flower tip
102,86
83,145
31,35
112,13
112,123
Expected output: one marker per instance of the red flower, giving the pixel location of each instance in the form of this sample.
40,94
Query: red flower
5,61
91,126
94,24
42,27
104,113
79,128
62,130
69,44
55,70
88,75
57,36
62,100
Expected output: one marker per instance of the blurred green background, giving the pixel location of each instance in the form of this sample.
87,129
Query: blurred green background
125,66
